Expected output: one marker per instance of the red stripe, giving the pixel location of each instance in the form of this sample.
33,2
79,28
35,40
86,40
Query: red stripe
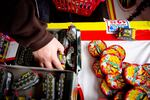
143,35
101,35
10,59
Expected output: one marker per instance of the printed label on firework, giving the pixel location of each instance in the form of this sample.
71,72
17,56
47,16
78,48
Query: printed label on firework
113,25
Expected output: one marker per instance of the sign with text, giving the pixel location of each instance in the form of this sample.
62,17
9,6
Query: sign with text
113,25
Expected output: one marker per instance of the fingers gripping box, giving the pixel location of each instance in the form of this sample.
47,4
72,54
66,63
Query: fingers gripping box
21,79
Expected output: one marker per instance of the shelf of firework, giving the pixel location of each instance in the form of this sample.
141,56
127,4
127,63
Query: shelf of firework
20,55
35,83
21,80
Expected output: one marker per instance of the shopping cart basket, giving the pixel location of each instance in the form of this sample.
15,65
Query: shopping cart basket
80,7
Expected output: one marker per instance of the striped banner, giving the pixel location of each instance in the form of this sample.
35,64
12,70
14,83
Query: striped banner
97,30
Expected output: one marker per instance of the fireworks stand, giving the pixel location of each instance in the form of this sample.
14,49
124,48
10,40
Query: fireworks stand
23,82
102,60
136,49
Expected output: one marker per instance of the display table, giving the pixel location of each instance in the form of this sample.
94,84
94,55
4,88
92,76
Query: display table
137,51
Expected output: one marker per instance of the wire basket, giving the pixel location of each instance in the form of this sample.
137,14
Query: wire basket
80,7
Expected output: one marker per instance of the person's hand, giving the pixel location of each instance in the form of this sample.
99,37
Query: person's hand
47,55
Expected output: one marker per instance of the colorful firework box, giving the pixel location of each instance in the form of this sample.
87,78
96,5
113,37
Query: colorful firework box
20,79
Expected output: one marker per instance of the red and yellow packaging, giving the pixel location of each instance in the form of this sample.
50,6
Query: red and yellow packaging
115,81
120,49
97,70
110,64
136,94
105,89
111,51
96,48
135,75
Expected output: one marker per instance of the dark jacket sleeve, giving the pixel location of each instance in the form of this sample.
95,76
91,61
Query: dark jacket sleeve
24,26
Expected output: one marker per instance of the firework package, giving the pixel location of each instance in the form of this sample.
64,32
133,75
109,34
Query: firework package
24,83
21,78
116,74
8,48
70,60
120,28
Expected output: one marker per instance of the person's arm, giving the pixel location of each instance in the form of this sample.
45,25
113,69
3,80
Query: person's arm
28,30
18,19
